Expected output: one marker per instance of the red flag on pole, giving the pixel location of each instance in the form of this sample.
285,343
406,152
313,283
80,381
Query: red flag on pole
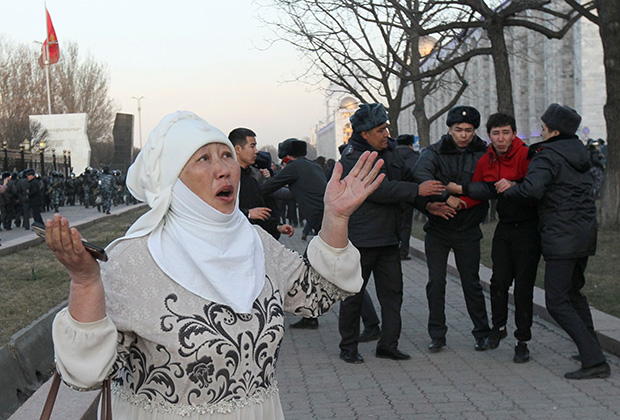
50,45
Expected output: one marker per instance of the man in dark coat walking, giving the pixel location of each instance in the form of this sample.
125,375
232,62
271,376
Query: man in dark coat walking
559,177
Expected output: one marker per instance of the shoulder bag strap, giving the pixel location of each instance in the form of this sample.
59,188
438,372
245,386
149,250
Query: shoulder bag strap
106,402
51,398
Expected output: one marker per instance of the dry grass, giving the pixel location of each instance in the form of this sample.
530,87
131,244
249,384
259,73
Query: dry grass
602,285
33,281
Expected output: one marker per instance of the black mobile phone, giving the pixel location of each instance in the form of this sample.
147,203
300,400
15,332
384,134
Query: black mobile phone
96,251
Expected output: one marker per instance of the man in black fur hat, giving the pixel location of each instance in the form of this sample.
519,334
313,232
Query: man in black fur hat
453,159
306,180
374,229
559,177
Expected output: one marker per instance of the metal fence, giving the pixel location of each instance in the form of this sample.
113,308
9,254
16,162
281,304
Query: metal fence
42,161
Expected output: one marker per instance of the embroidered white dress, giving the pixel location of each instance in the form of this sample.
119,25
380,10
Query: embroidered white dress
174,355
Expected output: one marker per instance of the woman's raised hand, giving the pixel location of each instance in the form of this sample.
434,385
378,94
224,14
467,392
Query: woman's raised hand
344,196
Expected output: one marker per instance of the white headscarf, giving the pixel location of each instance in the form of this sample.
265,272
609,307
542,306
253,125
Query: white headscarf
214,255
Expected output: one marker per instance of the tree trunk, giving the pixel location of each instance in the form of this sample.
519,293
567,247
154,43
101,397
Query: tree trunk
503,79
609,18
419,112
393,113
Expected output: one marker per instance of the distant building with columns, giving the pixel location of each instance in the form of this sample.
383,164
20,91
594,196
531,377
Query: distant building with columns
569,71
336,129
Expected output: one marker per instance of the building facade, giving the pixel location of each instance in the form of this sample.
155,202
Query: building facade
569,71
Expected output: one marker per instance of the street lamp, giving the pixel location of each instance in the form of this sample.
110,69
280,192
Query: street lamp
139,119
21,152
42,147
6,156
54,158
64,162
69,159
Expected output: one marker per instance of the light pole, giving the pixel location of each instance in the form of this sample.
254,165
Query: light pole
42,147
6,155
139,119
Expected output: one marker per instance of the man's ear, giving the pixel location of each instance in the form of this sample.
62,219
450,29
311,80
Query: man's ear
238,149
364,135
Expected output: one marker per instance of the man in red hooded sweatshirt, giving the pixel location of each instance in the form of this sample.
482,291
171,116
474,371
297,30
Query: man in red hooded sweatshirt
516,242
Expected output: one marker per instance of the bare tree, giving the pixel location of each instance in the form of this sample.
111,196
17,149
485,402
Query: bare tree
368,49
78,85
81,85
542,16
607,18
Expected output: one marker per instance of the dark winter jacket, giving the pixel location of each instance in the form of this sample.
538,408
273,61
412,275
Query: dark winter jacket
376,222
307,182
559,178
444,162
250,196
492,167
409,155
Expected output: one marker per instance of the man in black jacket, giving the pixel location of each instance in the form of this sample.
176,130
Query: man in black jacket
453,159
559,177
251,200
374,230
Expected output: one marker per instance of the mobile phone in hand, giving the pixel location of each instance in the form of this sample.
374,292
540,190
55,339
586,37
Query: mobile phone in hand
96,251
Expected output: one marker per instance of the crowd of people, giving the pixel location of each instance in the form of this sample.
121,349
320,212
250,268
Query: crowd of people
25,195
187,316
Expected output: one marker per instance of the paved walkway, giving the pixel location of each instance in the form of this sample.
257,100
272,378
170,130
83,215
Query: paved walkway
18,238
456,383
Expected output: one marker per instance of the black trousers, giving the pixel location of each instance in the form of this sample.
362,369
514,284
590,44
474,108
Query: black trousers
384,264
467,254
32,208
405,229
564,280
515,254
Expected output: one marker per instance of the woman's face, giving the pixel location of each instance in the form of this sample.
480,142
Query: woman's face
212,173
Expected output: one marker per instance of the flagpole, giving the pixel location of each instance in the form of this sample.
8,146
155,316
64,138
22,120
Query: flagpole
47,64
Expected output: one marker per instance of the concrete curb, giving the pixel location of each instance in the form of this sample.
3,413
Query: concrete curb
607,326
26,362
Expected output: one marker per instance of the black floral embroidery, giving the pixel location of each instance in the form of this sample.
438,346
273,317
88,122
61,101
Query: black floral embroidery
318,294
200,371
145,378
234,355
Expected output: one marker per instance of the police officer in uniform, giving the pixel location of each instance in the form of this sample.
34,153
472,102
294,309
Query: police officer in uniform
374,229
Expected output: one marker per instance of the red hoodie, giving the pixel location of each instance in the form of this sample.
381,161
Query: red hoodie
512,165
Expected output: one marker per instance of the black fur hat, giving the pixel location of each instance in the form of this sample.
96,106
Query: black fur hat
463,114
562,118
368,117
292,147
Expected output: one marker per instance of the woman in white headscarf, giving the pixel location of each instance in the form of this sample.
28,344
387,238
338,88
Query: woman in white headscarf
187,314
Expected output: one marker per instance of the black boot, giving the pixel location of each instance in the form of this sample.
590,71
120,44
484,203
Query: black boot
306,324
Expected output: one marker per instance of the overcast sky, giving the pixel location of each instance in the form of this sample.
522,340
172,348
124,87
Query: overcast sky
206,56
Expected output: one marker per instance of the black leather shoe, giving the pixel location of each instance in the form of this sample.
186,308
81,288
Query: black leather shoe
393,354
405,257
370,334
306,324
437,344
602,370
481,344
351,356
495,337
522,354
